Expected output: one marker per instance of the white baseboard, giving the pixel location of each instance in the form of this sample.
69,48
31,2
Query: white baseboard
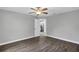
37,36
16,40
63,39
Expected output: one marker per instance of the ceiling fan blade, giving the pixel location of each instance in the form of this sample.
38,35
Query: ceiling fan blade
33,9
44,9
38,7
45,13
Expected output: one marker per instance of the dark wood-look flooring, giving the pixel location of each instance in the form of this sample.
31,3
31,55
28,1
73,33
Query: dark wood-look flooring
40,44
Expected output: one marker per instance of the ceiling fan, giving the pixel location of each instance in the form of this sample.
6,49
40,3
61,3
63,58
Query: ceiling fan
39,11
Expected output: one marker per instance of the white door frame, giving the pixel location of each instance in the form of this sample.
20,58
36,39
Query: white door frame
37,27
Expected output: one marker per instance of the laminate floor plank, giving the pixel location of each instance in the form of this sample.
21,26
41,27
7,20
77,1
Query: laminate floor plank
40,44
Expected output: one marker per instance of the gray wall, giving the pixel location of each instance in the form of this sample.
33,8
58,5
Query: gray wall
65,25
14,26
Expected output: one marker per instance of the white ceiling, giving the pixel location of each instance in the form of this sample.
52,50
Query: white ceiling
51,10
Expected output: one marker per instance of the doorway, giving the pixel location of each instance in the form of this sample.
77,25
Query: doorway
40,27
